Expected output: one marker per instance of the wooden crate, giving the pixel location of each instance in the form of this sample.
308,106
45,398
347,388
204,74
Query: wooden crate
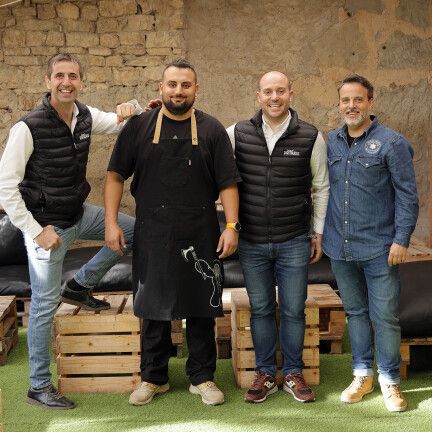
8,326
406,343
243,354
331,315
99,352
418,251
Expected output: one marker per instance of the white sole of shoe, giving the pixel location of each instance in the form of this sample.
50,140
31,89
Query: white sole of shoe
350,401
288,390
195,390
273,390
162,389
395,409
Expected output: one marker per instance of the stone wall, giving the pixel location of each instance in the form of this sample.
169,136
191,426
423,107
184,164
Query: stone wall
125,43
317,43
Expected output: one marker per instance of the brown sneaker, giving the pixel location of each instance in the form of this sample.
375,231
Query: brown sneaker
359,387
262,386
393,398
145,393
296,385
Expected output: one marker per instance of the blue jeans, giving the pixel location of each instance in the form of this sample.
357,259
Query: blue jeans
286,264
45,268
370,292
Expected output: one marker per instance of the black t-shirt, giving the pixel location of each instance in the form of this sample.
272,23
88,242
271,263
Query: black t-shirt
213,141
351,140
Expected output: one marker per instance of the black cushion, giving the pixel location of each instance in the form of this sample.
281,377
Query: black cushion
321,273
415,310
12,249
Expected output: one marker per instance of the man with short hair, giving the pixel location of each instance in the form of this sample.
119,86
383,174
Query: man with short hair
181,161
282,161
43,187
371,215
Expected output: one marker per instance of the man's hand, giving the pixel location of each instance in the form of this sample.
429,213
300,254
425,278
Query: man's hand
48,239
114,238
316,249
227,243
154,103
398,254
124,111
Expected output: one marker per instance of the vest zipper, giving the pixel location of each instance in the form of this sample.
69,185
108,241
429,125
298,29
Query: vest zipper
268,199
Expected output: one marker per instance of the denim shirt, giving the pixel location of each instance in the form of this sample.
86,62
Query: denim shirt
373,197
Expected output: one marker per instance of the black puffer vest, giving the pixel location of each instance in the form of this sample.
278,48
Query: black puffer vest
54,187
275,194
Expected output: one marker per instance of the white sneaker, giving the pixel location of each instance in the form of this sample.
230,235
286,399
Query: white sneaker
145,392
210,394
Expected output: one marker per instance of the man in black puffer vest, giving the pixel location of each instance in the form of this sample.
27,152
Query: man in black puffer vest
283,164
43,187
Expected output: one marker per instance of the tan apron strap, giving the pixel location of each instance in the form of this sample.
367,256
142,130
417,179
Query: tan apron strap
194,129
158,128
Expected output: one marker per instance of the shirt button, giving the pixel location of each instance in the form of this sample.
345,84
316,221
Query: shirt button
346,221
349,161
346,181
346,202
367,164
346,241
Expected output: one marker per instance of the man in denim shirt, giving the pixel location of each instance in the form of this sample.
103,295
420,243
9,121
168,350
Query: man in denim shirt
372,212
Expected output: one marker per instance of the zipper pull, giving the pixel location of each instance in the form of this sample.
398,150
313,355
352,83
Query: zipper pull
190,162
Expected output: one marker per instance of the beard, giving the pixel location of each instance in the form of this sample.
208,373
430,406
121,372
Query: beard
354,122
177,109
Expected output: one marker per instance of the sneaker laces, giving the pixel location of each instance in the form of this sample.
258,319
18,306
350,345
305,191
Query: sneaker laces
358,382
55,393
258,380
299,380
394,390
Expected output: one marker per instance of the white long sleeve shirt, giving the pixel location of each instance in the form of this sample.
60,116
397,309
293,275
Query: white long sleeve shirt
19,148
318,164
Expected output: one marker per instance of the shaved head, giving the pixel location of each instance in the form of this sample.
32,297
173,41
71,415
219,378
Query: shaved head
273,76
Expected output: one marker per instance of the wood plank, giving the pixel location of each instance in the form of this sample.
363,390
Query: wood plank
76,324
121,384
117,303
102,364
97,343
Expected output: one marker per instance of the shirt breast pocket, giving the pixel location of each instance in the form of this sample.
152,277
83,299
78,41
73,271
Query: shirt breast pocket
367,171
335,168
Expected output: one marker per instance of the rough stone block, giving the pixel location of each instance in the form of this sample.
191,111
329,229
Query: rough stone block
81,25
82,39
45,12
90,12
24,11
152,73
44,50
99,74
374,6
415,11
35,38
111,25
143,61
16,51
76,50
109,40
27,102
14,38
115,61
159,51
22,60
129,49
68,11
31,23
140,22
165,39
108,8
55,38
99,51
128,76
132,38
10,77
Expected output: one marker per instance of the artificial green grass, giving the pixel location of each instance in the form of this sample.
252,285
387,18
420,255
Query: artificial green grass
180,411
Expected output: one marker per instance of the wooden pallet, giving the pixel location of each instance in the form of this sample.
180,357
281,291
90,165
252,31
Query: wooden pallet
243,354
8,326
331,315
406,343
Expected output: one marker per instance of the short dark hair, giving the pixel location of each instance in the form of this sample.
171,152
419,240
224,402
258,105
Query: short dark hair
64,57
180,63
355,78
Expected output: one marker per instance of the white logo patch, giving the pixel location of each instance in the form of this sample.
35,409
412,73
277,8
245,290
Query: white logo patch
372,146
291,152
84,136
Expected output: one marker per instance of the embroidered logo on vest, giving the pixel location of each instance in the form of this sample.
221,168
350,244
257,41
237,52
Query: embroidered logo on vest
291,152
84,136
372,146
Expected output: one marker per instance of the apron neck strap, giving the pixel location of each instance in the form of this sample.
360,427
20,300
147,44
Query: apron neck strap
158,128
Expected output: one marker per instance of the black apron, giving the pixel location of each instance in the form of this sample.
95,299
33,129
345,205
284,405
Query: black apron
176,271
